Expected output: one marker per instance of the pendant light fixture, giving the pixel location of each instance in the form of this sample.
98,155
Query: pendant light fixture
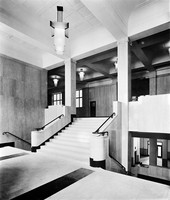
81,74
60,31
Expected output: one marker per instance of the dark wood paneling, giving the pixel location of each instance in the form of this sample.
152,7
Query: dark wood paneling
84,111
140,87
23,97
163,84
104,97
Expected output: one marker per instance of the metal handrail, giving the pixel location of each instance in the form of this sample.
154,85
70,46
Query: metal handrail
97,131
103,133
59,117
6,132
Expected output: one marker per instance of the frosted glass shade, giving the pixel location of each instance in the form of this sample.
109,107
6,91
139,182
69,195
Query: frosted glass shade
59,40
81,74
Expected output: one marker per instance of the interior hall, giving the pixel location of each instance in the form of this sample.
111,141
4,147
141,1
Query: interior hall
85,99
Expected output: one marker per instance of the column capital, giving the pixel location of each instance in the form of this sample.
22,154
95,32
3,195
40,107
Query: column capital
69,61
74,61
123,40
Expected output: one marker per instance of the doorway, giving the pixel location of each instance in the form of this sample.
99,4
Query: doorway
92,108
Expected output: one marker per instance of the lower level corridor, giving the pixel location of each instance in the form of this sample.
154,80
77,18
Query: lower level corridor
32,175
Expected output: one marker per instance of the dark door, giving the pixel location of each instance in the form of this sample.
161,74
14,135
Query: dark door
92,108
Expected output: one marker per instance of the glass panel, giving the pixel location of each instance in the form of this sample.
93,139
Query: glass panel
80,93
77,93
81,102
159,151
77,103
54,97
55,103
159,143
58,96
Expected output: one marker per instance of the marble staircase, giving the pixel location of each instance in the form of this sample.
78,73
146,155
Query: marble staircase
73,143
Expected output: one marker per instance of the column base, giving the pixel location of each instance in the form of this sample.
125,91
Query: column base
101,163
34,149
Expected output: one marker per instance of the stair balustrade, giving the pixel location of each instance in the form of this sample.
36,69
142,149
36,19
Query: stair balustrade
105,133
97,130
6,132
59,117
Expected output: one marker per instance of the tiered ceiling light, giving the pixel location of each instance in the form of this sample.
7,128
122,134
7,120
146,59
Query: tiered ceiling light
55,79
81,74
115,62
60,31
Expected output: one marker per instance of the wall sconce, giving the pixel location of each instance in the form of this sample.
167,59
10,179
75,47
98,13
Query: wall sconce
116,62
55,79
81,74
60,31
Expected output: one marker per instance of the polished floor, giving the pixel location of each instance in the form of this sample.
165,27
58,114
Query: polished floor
21,174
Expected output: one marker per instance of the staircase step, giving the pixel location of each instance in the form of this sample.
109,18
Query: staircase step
78,128
59,140
90,118
66,154
75,134
68,147
88,123
85,129
73,137
60,156
73,143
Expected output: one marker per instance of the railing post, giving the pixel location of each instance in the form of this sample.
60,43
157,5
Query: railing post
98,150
37,137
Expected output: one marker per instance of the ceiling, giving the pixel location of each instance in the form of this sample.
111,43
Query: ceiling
147,54
95,26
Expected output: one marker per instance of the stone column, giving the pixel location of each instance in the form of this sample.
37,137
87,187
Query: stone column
153,152
164,153
124,94
153,83
70,84
168,154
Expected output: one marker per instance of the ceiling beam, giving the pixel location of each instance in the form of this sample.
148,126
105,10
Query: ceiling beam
138,51
98,69
98,57
154,39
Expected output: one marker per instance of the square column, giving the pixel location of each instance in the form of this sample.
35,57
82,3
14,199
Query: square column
124,94
70,84
165,153
168,154
153,152
152,83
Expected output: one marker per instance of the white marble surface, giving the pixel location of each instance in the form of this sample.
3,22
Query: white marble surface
105,185
21,174
6,151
